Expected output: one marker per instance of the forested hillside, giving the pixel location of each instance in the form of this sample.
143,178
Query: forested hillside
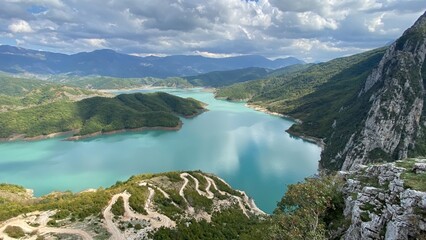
19,92
99,114
317,95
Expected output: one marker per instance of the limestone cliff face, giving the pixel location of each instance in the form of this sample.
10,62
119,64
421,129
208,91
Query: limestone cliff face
380,205
397,97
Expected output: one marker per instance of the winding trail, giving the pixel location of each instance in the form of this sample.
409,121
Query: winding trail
20,221
250,202
246,204
158,219
209,184
155,219
241,201
108,215
191,210
197,186
166,195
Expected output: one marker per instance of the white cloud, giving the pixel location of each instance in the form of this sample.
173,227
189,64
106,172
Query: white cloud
307,45
376,23
215,55
312,21
96,42
20,26
308,29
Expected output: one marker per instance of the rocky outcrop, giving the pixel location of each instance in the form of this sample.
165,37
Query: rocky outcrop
381,206
396,92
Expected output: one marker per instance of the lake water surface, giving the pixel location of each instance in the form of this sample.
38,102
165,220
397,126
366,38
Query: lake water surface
249,149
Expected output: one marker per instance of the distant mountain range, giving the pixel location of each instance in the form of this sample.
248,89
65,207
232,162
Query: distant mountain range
110,63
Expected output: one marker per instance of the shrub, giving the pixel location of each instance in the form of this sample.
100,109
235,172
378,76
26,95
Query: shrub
14,232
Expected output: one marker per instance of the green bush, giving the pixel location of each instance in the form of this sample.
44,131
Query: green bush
99,114
14,232
138,198
118,207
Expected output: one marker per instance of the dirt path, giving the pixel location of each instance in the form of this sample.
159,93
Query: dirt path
197,187
81,233
191,210
21,222
250,202
209,184
240,201
108,215
166,195
155,219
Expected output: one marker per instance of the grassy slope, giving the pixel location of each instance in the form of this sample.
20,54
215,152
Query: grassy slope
16,87
18,93
211,79
99,114
100,82
318,95
227,224
314,196
225,78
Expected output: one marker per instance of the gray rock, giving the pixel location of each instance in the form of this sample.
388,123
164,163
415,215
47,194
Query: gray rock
393,120
393,212
419,168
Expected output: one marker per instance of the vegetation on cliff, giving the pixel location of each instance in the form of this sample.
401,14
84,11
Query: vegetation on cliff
318,95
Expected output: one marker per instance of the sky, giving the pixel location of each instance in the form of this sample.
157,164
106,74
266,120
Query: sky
311,30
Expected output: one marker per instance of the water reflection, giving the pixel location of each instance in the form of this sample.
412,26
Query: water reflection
247,148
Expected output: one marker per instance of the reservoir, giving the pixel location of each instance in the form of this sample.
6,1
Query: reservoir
247,148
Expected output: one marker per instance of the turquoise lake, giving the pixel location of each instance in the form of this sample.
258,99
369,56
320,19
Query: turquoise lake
249,149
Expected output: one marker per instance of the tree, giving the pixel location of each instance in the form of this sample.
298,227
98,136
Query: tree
300,213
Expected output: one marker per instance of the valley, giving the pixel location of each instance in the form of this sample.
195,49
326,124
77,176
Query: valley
230,140
173,136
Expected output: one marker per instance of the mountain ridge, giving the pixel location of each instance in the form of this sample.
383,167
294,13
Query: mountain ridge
394,120
367,107
107,62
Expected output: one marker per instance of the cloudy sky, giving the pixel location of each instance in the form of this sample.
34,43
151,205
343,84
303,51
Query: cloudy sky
312,30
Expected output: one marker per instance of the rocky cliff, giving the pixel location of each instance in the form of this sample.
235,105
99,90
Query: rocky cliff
396,92
386,201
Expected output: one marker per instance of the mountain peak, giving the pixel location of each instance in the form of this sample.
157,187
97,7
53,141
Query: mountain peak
106,50
396,92
421,20
108,62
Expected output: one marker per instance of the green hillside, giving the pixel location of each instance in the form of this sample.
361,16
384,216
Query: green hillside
225,78
17,86
103,82
176,205
162,206
99,114
19,93
317,95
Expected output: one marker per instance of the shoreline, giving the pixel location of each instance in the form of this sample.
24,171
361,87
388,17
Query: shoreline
317,141
197,113
147,87
141,129
264,110
111,90
21,137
